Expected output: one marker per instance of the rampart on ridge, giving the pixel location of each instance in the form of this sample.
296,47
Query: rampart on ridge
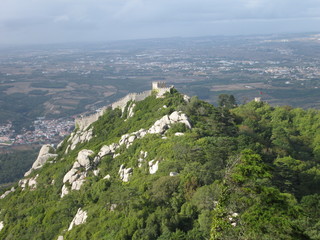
159,87
122,103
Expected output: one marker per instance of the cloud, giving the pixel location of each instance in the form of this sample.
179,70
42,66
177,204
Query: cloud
61,18
119,19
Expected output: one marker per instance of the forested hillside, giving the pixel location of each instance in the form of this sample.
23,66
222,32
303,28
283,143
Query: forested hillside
13,163
175,168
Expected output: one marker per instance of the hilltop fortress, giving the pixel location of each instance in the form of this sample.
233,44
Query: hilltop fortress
159,88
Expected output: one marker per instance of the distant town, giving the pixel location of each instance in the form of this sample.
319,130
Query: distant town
45,131
59,81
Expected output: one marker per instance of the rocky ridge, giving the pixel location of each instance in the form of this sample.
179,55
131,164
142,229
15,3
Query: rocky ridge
6,193
86,161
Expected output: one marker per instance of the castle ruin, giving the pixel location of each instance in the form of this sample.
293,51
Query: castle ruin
159,88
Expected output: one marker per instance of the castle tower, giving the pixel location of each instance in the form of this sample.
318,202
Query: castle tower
157,85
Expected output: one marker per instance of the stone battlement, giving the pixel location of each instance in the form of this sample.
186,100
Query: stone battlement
122,103
159,87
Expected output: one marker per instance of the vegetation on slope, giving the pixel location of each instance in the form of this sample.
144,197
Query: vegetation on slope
247,172
13,164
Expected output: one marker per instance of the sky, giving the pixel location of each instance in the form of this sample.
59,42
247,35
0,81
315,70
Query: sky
63,21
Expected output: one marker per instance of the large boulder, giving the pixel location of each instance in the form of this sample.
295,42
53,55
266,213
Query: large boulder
64,191
6,193
130,110
1,225
105,150
45,153
70,176
31,182
76,176
76,185
174,116
78,219
153,166
161,125
125,173
143,156
84,158
79,136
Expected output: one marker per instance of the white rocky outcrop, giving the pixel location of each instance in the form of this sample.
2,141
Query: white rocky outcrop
125,173
153,166
76,179
23,183
161,125
179,134
30,182
84,158
80,136
142,158
76,185
233,219
113,207
1,225
33,182
45,154
179,117
60,144
128,139
70,176
105,150
186,98
64,191
78,219
173,174
75,176
6,193
96,172
107,177
130,110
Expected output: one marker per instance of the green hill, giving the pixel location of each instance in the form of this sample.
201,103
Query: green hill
175,168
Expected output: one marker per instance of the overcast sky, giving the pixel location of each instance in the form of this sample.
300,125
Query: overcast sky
54,21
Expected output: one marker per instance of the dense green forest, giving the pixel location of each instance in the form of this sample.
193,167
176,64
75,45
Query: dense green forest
13,164
240,172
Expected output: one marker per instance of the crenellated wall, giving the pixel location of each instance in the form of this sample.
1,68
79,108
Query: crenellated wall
159,87
131,97
83,122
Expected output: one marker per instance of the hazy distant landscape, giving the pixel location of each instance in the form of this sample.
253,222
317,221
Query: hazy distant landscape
165,120
58,82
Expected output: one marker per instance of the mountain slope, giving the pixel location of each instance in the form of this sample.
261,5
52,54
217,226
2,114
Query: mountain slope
174,168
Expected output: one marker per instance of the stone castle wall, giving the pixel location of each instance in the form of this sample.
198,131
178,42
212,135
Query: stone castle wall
161,91
159,87
83,122
131,97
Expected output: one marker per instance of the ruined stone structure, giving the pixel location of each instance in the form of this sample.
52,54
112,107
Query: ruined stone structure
159,87
257,99
122,103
